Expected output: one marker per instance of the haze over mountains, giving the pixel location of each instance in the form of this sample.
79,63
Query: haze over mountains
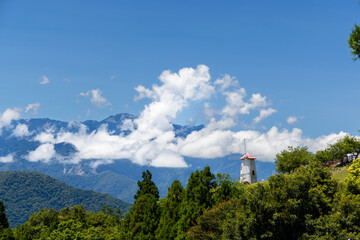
22,147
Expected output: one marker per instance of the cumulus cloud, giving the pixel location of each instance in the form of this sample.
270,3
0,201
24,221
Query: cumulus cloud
8,116
292,120
143,93
152,140
32,107
95,98
44,153
264,113
21,130
226,82
7,159
236,105
44,80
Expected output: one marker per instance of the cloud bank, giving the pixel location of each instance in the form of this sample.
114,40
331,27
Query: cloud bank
152,139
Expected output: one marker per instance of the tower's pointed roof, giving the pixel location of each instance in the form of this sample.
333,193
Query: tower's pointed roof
248,156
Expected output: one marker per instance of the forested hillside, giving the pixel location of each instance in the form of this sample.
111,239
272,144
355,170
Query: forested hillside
24,193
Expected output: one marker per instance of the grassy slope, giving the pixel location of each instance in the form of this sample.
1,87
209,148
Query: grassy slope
340,173
24,193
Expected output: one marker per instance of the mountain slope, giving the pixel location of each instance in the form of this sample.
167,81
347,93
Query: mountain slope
24,193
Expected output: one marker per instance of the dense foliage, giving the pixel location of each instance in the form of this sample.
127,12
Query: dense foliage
289,160
71,223
24,193
284,207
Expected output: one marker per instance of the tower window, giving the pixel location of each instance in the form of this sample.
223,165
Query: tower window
253,172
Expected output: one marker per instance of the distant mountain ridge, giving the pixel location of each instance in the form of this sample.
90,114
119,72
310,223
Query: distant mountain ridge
24,193
21,145
118,178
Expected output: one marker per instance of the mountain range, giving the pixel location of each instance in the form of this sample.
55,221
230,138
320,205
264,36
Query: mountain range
119,177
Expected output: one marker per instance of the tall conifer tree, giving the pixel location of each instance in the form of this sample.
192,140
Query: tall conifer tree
170,214
3,219
142,220
198,197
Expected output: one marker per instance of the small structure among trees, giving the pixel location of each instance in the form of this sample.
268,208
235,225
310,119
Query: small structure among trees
248,169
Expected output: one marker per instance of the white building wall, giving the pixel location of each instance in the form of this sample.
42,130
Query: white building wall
248,171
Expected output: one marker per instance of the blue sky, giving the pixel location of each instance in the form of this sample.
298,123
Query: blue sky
293,52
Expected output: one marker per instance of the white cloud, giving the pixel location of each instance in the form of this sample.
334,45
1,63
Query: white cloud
143,93
292,120
96,99
21,130
264,113
45,137
45,80
44,153
226,82
8,116
33,106
7,159
236,105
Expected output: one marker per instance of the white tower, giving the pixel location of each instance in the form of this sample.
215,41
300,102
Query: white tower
248,169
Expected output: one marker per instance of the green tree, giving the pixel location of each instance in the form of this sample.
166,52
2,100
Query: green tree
354,42
209,225
5,230
353,179
68,230
198,197
142,220
170,213
147,186
226,188
289,160
324,156
3,219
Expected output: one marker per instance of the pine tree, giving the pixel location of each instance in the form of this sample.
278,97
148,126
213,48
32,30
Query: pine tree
147,186
198,197
142,220
3,219
5,230
170,214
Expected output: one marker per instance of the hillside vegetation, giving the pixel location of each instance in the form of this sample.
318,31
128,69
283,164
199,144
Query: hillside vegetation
24,193
340,173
